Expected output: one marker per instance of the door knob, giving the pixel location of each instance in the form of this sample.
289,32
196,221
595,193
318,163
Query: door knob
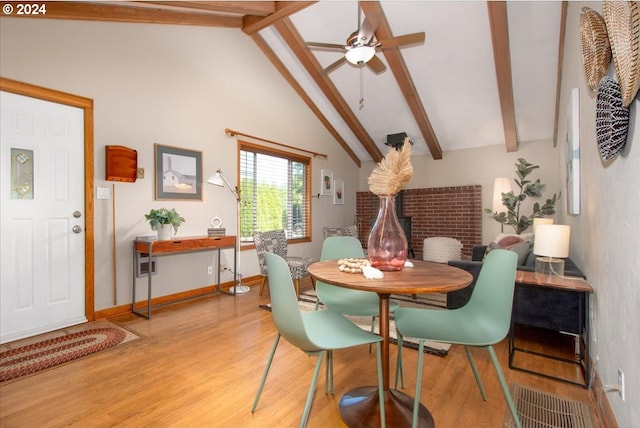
77,229
77,214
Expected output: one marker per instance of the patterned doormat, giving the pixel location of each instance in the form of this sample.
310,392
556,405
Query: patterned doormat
34,354
538,409
307,302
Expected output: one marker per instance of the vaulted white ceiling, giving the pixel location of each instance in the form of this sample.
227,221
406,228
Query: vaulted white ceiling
486,74
453,71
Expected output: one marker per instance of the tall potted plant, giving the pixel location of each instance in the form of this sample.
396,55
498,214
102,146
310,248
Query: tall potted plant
512,202
163,220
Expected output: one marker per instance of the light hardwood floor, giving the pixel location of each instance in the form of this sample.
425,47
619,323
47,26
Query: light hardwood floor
198,364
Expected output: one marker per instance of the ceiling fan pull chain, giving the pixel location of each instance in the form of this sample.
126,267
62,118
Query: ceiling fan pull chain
361,102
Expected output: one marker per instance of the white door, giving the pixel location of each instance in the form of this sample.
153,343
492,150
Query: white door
42,216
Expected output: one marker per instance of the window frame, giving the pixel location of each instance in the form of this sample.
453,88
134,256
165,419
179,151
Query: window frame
269,151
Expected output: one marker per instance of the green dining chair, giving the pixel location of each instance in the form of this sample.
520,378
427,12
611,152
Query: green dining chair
482,322
345,300
315,333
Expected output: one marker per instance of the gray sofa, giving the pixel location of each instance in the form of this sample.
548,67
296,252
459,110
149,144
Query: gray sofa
459,298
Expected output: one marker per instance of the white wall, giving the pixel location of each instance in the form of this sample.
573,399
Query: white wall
178,86
606,235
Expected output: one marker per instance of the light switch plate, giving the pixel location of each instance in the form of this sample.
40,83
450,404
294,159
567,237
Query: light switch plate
140,172
103,193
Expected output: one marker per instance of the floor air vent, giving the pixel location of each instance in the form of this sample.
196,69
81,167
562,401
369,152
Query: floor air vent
539,409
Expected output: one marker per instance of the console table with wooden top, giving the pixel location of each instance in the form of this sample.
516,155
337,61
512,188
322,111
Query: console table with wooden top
151,248
555,303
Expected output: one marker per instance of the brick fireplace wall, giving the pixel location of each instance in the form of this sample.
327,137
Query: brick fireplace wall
454,212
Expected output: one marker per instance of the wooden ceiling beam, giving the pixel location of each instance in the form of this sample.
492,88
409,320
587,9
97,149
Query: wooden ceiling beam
502,59
266,49
563,30
293,39
117,12
403,78
252,24
259,8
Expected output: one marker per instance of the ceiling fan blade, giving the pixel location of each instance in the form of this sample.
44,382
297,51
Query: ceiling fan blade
335,65
376,65
398,41
368,28
321,45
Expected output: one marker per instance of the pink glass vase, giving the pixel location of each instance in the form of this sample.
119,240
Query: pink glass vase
387,245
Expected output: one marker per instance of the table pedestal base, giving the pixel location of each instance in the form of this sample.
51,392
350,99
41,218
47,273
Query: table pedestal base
359,408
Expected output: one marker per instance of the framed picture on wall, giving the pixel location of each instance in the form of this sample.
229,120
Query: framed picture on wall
178,173
338,192
572,157
326,182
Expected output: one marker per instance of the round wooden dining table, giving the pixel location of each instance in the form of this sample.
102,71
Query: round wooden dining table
360,406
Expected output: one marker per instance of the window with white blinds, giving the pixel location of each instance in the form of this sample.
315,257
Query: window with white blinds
275,190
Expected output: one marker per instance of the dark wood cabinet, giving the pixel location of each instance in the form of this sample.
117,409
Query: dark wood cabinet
556,304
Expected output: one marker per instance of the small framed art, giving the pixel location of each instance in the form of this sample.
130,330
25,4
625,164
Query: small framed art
178,173
573,153
326,182
338,192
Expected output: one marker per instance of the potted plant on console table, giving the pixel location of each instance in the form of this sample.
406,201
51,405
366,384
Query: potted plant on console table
163,220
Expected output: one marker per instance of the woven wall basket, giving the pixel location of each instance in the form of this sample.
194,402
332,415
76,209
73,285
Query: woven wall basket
612,119
623,27
596,51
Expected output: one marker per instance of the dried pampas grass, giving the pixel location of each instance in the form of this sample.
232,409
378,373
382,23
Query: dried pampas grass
393,172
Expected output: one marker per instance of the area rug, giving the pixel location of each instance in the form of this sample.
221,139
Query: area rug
307,302
538,409
42,352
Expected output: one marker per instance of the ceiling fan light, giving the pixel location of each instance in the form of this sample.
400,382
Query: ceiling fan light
360,54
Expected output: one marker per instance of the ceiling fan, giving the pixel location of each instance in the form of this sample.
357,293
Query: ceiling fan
361,46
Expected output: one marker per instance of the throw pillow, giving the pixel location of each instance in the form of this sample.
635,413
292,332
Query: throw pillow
522,249
340,231
332,231
441,249
509,240
351,231
523,236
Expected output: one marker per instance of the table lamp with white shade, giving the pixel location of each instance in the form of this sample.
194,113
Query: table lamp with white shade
219,180
551,243
541,220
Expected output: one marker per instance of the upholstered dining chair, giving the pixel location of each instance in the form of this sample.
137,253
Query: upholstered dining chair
344,300
315,333
482,322
275,241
